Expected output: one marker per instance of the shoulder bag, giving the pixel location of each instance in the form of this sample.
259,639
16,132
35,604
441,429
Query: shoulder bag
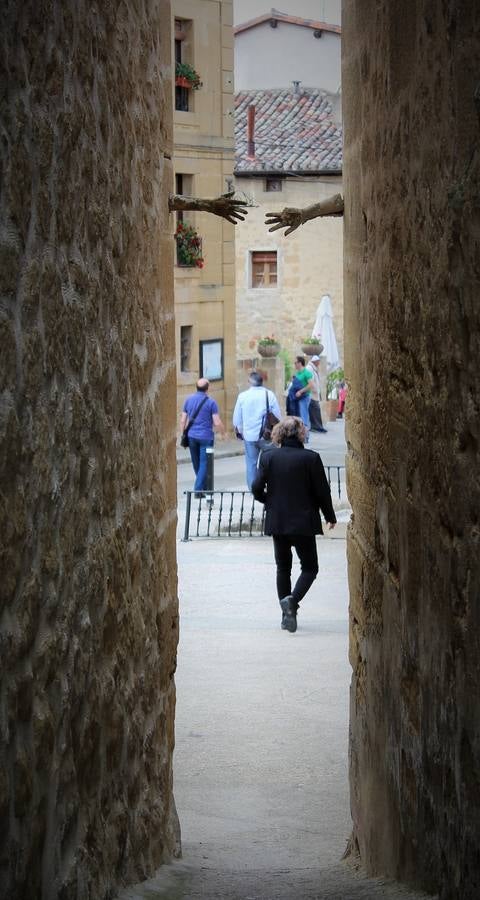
268,421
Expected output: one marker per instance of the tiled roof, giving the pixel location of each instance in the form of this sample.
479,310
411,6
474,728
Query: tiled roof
276,16
293,132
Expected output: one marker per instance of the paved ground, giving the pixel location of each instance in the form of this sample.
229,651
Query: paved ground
260,763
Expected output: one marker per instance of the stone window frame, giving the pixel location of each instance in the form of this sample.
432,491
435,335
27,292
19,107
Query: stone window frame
255,289
273,184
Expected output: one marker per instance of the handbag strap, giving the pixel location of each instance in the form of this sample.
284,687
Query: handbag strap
265,416
191,421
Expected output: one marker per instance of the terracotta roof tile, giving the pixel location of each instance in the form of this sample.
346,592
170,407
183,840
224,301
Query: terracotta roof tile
293,132
276,16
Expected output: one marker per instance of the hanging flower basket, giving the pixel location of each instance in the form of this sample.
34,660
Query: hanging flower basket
189,246
268,346
312,348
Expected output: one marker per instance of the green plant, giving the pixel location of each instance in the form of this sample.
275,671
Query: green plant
334,378
288,365
185,70
267,341
310,340
189,246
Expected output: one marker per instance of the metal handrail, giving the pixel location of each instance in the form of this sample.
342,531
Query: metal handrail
239,514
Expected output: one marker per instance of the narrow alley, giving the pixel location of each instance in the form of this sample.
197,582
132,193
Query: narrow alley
260,765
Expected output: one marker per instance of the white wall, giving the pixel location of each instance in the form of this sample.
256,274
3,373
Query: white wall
273,57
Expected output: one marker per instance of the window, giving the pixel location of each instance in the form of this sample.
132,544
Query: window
264,269
183,186
273,184
183,45
185,347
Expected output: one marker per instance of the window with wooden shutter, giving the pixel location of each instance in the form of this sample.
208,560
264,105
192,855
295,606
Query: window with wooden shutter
264,269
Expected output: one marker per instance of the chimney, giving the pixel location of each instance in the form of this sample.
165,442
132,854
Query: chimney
296,86
251,132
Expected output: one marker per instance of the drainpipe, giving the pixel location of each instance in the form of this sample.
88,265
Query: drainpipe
251,132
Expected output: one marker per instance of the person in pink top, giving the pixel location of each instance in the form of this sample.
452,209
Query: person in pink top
342,396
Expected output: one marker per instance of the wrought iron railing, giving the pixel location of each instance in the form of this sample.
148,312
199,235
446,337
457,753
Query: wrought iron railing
211,514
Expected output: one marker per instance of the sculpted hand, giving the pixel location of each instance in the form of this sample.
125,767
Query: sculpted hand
224,206
290,218
233,211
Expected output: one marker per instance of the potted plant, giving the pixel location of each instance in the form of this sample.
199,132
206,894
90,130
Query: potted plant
333,380
189,246
268,346
186,76
311,346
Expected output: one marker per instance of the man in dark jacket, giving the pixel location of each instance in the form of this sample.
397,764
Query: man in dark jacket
292,484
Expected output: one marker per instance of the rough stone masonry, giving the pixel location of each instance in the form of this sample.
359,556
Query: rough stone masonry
411,92
87,486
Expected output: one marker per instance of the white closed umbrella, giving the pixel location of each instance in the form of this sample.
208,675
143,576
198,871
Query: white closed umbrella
324,330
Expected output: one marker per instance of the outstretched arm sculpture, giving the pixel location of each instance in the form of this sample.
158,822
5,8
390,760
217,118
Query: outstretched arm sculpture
291,217
233,211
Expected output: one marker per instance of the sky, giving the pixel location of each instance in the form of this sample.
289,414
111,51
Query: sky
322,10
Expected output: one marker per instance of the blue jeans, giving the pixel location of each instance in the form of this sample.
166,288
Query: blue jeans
198,453
303,404
252,452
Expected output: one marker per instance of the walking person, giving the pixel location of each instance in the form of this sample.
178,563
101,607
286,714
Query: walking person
292,484
200,416
304,393
314,410
248,419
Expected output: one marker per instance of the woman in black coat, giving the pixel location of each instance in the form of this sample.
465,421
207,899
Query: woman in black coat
292,484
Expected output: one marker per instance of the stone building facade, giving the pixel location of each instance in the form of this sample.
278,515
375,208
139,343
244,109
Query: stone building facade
412,322
309,264
292,159
89,618
203,163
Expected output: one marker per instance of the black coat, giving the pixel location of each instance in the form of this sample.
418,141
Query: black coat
291,481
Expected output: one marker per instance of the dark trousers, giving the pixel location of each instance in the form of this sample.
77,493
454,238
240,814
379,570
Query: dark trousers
315,414
306,549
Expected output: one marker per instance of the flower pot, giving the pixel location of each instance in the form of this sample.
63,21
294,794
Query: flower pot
312,349
332,410
268,349
181,81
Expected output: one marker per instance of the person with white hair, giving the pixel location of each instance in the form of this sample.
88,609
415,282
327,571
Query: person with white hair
248,420
292,484
314,411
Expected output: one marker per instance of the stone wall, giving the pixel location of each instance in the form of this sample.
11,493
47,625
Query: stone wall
87,486
412,323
